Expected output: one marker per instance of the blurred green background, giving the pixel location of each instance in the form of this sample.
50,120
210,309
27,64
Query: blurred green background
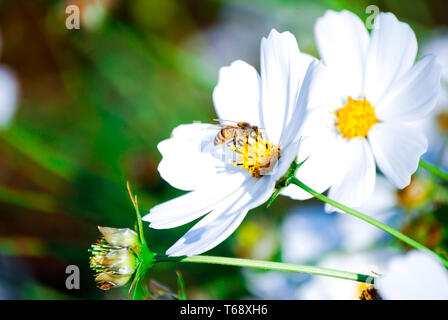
95,102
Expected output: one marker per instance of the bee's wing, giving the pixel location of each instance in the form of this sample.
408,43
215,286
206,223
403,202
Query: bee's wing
223,122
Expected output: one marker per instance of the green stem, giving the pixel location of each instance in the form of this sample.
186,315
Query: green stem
438,172
137,212
258,264
368,219
180,284
140,226
146,259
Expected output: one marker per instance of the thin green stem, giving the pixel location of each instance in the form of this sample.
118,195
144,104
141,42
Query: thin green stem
180,284
433,169
146,259
139,216
368,219
258,264
140,225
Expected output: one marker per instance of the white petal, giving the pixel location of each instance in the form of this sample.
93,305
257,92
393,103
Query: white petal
317,172
414,95
288,155
296,193
292,128
358,183
320,144
392,52
414,276
282,70
221,222
342,41
324,80
187,161
237,95
397,148
292,135
9,90
192,205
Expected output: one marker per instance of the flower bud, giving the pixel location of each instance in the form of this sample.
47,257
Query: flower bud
115,257
124,237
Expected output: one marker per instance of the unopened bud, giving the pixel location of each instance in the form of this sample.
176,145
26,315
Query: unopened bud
115,257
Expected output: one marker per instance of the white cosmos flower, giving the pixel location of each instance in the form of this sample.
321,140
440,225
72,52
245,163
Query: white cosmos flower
414,276
276,100
372,91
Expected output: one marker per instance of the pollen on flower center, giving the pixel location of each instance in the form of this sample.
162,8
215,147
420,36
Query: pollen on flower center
356,118
253,152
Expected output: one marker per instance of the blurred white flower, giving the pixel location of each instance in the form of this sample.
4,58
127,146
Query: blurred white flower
273,285
308,233
438,46
276,101
414,276
382,206
256,239
9,90
327,288
435,126
372,91
310,236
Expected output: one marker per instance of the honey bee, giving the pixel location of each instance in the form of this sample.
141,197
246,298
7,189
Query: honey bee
235,133
251,150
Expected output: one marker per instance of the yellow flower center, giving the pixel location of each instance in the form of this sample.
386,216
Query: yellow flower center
356,118
254,153
367,292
